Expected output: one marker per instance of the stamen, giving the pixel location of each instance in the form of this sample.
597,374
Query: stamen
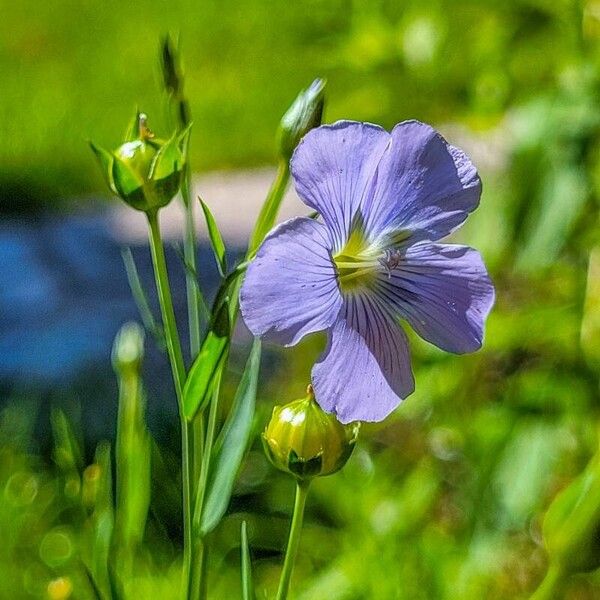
390,260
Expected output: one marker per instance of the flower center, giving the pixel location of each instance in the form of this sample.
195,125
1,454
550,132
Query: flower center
359,261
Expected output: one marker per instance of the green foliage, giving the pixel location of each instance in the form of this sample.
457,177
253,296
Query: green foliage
230,447
216,240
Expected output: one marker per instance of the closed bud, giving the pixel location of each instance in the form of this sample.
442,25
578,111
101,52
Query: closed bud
128,349
144,171
305,113
307,442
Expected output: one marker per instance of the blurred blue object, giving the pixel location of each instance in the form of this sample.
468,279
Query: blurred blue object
64,294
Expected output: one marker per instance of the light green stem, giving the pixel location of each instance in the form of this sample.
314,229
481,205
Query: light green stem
270,208
551,585
178,369
294,539
198,577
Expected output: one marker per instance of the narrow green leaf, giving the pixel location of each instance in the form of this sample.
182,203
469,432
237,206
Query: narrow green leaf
231,444
214,347
191,272
67,450
103,520
105,159
564,192
247,585
141,299
199,380
216,240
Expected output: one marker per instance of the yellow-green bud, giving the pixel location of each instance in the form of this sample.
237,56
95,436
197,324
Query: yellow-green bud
307,442
305,113
144,171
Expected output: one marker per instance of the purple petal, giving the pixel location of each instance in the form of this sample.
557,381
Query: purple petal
290,288
365,370
423,185
334,167
444,292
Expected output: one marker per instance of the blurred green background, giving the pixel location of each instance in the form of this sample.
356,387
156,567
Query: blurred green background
445,499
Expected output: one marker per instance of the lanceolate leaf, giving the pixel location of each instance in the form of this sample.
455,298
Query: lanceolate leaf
231,445
141,299
199,380
216,241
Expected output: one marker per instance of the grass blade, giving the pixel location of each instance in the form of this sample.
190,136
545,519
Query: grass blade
216,240
141,299
231,445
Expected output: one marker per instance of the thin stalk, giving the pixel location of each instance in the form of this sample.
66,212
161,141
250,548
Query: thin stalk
270,208
294,539
193,309
264,223
551,585
178,369
198,577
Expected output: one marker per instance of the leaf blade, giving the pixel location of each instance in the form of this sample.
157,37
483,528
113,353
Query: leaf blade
231,444
216,240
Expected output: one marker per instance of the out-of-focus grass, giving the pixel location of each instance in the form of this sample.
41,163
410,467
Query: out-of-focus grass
71,71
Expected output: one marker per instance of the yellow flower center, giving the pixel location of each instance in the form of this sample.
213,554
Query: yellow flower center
359,261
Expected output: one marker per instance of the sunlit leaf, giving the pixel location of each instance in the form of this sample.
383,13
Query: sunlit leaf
216,240
231,445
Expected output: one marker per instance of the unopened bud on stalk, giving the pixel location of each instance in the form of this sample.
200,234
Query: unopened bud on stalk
307,442
144,171
128,349
305,113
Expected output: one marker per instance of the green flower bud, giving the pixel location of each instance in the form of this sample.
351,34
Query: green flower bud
305,113
128,349
307,442
144,171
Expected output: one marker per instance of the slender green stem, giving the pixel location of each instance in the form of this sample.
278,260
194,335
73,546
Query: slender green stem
166,305
270,208
294,539
189,252
551,585
198,577
193,309
178,369
210,437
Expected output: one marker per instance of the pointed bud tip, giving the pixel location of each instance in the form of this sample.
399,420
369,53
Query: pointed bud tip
305,113
128,348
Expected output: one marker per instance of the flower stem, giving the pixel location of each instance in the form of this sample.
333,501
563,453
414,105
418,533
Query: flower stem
178,370
551,585
294,539
198,576
270,208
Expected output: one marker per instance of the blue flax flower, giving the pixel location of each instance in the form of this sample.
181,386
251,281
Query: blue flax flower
384,199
